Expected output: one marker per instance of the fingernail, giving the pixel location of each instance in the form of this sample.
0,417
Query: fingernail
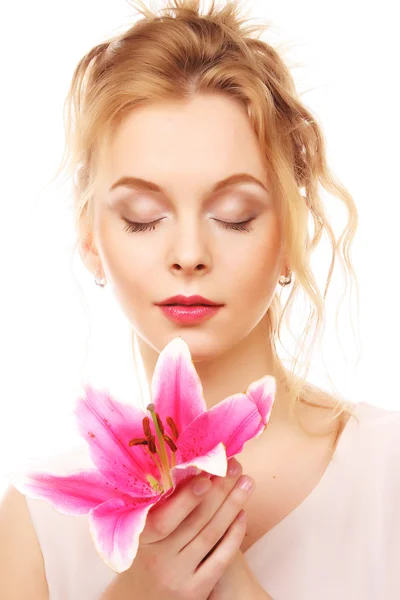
201,486
234,468
247,484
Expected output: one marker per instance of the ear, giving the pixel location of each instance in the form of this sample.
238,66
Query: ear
89,254
285,267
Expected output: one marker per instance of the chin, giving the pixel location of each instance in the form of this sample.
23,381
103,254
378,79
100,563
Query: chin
203,344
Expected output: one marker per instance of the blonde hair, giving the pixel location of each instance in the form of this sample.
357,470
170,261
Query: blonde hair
174,54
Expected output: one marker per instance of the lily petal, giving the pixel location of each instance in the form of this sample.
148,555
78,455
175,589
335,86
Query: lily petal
115,527
213,462
262,392
176,389
107,426
74,494
233,421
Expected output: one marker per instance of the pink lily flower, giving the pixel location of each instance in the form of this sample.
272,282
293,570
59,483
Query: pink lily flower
142,457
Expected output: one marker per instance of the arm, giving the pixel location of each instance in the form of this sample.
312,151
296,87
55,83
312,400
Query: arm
22,573
239,582
119,589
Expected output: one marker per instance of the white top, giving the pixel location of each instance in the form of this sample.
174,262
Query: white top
341,542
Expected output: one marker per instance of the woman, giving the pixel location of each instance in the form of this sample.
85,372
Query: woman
196,169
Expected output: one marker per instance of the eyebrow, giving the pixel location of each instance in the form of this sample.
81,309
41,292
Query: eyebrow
137,183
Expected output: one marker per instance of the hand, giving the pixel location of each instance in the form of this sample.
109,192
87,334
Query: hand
188,542
237,582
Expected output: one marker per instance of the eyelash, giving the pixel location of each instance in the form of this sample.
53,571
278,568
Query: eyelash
134,227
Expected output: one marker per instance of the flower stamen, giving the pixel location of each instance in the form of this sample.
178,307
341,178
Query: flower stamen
170,443
156,447
152,444
174,429
146,427
137,442
162,451
160,423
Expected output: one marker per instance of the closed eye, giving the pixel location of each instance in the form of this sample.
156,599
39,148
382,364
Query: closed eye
134,227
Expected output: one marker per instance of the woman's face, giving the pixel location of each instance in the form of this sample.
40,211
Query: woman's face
185,149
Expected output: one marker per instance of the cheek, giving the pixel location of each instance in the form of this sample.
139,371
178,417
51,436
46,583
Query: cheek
130,271
128,268
124,253
254,271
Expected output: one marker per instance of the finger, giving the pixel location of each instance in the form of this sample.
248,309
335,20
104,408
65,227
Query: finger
204,512
212,568
209,536
163,519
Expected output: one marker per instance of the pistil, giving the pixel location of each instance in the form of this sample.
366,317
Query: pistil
165,472
157,449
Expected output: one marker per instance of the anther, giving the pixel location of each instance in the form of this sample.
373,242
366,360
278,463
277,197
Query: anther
146,427
137,442
160,424
170,443
152,444
173,427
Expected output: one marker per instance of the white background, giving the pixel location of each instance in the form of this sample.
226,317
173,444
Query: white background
58,328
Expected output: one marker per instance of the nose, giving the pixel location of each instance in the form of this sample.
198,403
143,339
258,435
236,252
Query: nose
188,268
190,252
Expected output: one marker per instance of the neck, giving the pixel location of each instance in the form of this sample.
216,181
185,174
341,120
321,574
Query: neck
232,371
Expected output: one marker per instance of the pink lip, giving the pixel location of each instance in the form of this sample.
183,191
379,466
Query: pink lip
189,314
188,300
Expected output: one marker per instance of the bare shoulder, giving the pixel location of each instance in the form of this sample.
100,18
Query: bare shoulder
322,412
22,573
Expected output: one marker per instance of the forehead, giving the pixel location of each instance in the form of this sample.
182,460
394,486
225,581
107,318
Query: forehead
208,137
